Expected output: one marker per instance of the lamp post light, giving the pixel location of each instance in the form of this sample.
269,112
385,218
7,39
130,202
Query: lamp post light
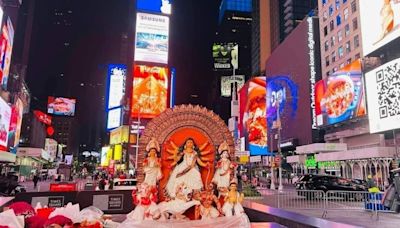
279,125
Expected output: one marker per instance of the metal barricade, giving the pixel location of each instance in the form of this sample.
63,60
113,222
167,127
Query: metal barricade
329,201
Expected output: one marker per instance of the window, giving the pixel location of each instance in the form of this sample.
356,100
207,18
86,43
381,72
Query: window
348,61
333,56
335,69
340,36
337,4
331,25
325,15
333,41
341,65
344,1
346,13
355,24
325,31
327,61
326,45
347,30
340,51
357,56
323,2
338,20
348,47
356,41
331,10
353,6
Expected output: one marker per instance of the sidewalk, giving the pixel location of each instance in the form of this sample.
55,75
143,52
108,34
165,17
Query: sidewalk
352,217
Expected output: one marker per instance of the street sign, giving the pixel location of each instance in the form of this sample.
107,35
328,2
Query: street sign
255,158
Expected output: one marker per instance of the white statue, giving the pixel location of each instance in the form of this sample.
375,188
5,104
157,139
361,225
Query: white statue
145,201
182,202
186,171
233,200
225,169
152,164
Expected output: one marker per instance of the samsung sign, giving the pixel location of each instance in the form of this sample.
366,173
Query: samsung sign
313,73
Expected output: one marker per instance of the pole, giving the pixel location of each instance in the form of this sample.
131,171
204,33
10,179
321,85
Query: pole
272,167
396,157
280,188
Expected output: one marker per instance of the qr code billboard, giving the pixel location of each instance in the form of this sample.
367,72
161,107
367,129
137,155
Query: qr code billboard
383,97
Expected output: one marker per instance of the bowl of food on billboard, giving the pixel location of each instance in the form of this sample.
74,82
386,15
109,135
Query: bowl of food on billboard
341,97
380,23
61,106
254,118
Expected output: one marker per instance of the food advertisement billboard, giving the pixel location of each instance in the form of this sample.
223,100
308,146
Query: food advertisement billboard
116,85
155,6
380,23
5,117
226,56
61,106
150,91
152,34
341,97
15,125
6,46
383,96
253,121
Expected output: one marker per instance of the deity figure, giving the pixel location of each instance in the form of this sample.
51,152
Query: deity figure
186,170
233,200
152,164
206,210
145,200
182,201
225,169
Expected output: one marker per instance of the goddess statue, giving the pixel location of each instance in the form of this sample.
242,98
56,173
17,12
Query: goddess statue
152,164
224,169
233,202
185,160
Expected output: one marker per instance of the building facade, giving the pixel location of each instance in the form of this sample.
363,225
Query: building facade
340,34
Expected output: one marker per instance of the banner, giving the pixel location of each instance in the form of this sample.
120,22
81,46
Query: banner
226,56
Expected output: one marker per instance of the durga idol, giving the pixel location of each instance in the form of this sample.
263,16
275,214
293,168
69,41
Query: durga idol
185,161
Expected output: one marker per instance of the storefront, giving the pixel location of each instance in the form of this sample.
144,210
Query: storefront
30,160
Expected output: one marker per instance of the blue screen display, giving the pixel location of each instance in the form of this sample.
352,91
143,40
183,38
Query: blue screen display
156,6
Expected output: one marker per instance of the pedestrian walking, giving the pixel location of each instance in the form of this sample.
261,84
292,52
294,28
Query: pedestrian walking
35,181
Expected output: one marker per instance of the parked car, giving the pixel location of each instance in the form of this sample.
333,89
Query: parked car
121,184
343,187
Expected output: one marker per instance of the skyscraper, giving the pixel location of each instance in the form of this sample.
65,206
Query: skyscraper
294,12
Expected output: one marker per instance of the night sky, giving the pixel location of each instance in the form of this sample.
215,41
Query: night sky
70,60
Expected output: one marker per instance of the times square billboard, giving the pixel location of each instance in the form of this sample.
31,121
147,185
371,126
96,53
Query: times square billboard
292,72
150,93
152,37
154,6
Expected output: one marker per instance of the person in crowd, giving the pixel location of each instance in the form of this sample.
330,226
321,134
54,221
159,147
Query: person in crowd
35,181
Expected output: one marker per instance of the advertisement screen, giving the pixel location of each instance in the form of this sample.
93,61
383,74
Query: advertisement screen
380,23
151,38
226,56
227,83
114,118
61,106
5,117
6,45
253,118
104,158
15,125
150,91
116,85
383,95
156,6
341,97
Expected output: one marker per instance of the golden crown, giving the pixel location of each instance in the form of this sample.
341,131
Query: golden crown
223,147
153,144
